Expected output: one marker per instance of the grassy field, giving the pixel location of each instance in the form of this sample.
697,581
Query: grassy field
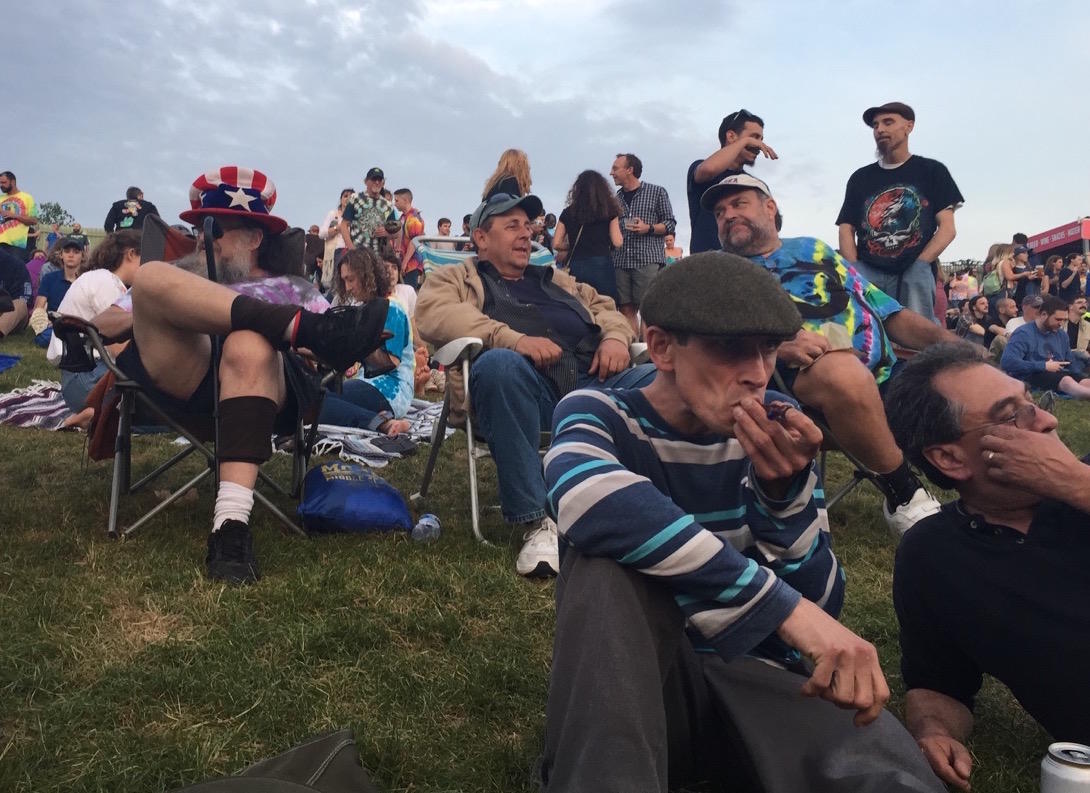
123,669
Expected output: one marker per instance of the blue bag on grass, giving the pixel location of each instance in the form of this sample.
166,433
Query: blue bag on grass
348,497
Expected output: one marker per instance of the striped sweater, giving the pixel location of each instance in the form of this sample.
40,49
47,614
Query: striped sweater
622,484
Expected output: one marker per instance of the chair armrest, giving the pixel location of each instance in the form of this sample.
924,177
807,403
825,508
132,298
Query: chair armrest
83,327
454,352
638,353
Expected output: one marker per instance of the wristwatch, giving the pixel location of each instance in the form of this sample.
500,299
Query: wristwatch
650,229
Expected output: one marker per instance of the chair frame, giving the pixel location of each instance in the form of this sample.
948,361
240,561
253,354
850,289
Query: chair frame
133,397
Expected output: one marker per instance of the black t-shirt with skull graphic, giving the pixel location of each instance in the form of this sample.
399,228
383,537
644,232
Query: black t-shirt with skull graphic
893,210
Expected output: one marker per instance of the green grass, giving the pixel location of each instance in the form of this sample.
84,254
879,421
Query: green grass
123,669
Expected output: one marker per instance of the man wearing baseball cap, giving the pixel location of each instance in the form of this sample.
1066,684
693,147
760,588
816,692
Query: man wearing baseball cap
261,308
844,352
365,214
544,333
898,213
697,572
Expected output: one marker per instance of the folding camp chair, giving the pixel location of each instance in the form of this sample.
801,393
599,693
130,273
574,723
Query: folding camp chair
83,344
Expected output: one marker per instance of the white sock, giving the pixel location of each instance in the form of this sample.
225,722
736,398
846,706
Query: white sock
233,502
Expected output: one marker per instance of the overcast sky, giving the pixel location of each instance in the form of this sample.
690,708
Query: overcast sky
314,92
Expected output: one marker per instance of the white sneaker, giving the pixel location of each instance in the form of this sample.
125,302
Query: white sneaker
540,554
915,509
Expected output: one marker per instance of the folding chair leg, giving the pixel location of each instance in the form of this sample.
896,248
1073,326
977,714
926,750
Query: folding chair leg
474,505
119,482
439,434
275,510
166,502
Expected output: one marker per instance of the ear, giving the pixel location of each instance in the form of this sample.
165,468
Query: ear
731,136
661,347
950,459
911,125
477,235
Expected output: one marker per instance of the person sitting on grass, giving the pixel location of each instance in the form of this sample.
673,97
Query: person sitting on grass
696,635
53,287
845,352
16,290
260,309
373,403
995,583
110,272
1039,353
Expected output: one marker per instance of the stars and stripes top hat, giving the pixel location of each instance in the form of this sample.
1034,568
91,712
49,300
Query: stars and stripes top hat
231,191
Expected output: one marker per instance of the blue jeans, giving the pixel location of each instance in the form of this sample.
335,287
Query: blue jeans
596,271
358,405
914,288
75,386
513,404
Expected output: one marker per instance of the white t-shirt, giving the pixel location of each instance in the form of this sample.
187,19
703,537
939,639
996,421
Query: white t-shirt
406,296
1013,324
87,297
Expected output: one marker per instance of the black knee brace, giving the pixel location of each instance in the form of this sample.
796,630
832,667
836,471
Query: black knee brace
246,428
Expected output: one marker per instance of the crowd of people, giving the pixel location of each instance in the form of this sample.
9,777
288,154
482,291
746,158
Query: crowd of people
679,502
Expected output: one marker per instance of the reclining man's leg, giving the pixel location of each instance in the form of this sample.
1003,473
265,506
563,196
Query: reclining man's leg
844,390
14,320
1079,389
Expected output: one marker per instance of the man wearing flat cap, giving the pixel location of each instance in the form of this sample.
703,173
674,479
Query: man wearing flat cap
696,637
545,334
898,213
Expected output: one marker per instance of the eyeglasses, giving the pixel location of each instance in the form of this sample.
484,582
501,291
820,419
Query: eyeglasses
1022,418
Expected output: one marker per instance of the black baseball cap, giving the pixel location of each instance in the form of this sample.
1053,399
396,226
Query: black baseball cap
900,108
501,203
375,173
71,242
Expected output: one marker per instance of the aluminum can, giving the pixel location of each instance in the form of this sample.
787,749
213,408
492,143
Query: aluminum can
1066,769
426,529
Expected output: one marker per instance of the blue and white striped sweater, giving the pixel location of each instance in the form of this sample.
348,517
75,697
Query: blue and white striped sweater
623,485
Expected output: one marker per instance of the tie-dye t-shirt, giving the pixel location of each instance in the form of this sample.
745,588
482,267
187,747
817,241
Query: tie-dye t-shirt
13,232
827,288
412,227
283,290
365,215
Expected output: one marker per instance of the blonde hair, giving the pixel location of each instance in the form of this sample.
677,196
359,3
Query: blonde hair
513,162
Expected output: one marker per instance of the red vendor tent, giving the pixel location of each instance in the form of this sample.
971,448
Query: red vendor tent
1069,238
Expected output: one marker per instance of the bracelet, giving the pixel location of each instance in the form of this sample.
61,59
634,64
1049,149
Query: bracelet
650,229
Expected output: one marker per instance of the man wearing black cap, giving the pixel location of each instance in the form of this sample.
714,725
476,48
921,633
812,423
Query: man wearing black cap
545,334
741,140
898,213
365,214
696,632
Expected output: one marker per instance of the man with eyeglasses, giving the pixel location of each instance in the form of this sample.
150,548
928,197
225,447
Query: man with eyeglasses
995,583
1039,353
741,140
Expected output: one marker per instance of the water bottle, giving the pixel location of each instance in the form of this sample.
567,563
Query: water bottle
426,529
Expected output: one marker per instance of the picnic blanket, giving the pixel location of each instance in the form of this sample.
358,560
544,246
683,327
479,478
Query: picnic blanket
7,361
354,445
39,404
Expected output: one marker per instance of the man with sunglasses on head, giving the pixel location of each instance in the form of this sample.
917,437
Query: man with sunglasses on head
995,583
741,140
544,333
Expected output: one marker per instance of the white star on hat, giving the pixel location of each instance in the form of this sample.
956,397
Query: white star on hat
239,198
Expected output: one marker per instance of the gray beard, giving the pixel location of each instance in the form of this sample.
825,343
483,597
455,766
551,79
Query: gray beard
227,270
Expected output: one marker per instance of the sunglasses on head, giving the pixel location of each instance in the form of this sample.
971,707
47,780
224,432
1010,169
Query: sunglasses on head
742,115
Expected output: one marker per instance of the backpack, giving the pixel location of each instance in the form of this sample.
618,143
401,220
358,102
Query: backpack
324,764
990,285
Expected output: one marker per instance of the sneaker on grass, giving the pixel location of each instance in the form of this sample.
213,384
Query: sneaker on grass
915,509
540,554
231,554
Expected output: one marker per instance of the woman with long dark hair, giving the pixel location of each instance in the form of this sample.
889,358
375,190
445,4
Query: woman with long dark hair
587,230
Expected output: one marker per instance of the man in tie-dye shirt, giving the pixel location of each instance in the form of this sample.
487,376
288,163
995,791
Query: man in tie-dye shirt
412,226
847,321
